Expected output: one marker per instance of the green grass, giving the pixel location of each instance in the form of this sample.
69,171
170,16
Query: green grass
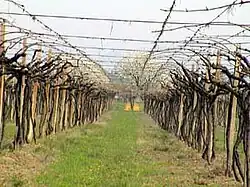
9,133
219,139
220,147
122,149
98,156
129,150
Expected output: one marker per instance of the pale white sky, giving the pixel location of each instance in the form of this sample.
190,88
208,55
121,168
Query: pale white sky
126,9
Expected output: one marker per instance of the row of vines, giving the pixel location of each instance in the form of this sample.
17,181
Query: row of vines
42,96
194,103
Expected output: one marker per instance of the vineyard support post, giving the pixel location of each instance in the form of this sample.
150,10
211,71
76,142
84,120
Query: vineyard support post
12,110
71,108
32,124
213,116
180,116
2,79
246,146
46,101
66,110
55,107
217,79
194,124
63,105
79,107
204,139
230,129
20,134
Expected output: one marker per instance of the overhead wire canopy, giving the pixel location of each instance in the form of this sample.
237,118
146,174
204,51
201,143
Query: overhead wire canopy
172,30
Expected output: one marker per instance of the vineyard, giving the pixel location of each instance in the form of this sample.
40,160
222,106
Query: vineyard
195,85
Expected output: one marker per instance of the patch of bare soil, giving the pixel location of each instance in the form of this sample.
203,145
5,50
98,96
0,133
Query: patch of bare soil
20,166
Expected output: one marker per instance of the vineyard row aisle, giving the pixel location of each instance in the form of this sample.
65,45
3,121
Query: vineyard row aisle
121,149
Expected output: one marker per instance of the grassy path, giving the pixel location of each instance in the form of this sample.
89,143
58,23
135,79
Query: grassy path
128,151
98,156
123,149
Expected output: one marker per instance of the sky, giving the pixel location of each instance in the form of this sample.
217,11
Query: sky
129,9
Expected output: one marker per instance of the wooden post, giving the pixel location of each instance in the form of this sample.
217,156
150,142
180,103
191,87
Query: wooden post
32,124
83,109
209,126
247,148
79,109
218,63
55,107
212,117
205,118
2,79
180,116
46,102
195,102
31,133
66,111
100,106
63,103
71,108
12,111
230,129
22,94
217,79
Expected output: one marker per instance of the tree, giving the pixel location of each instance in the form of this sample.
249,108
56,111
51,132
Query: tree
130,70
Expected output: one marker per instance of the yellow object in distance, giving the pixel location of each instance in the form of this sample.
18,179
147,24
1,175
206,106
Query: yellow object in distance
136,108
127,107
